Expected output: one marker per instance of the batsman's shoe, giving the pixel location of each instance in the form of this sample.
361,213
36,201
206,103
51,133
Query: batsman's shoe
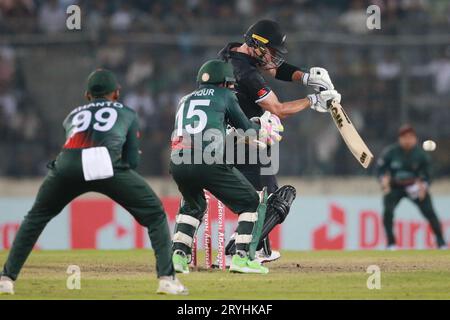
6,285
245,265
171,285
180,262
262,257
391,247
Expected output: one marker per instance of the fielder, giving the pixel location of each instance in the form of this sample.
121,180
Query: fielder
404,172
100,154
262,53
200,127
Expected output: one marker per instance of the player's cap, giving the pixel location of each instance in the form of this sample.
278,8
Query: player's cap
215,72
101,82
268,33
406,128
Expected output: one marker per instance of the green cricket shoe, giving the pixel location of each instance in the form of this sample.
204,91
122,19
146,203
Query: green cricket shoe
180,262
245,265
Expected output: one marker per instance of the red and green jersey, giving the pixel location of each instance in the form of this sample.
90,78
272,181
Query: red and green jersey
105,123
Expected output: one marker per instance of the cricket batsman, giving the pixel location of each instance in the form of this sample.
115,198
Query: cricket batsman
262,54
404,172
100,154
200,131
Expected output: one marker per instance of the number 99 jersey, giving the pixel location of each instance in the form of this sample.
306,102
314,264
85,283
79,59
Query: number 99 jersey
104,123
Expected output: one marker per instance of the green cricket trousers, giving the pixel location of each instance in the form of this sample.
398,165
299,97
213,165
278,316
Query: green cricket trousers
228,185
390,202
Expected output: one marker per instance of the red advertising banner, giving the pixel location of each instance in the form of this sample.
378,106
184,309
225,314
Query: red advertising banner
314,223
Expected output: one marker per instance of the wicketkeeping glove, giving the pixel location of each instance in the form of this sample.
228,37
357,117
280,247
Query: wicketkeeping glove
270,130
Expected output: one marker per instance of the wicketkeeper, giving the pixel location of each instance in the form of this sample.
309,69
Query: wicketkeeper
262,54
198,164
100,154
404,172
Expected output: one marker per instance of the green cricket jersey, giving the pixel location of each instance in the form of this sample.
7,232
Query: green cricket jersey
404,167
105,123
205,113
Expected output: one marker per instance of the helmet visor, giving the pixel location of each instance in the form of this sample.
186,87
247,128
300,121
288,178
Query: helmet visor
276,56
271,58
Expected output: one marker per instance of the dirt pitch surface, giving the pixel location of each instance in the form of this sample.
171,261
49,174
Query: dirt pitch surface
130,274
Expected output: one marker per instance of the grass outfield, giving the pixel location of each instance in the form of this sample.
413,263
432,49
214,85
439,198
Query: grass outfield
130,274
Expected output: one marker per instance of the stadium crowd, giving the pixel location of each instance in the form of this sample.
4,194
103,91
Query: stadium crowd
375,80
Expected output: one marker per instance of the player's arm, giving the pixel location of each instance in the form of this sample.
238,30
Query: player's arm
317,101
131,153
425,169
283,109
236,117
268,125
424,176
263,95
382,170
288,72
268,100
316,77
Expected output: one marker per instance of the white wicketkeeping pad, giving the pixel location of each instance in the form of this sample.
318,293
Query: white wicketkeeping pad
97,164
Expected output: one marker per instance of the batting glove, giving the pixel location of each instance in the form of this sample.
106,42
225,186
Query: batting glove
319,101
318,79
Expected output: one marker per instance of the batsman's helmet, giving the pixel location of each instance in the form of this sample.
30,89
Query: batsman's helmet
265,36
215,72
101,82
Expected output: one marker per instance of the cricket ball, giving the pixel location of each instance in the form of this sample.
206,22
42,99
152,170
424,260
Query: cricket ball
429,145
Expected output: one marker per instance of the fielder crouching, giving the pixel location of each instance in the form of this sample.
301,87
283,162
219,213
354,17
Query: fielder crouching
200,130
100,155
404,172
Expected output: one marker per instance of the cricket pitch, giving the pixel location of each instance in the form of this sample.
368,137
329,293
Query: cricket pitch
130,274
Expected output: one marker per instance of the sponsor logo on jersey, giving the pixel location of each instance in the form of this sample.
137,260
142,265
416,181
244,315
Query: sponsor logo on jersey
262,93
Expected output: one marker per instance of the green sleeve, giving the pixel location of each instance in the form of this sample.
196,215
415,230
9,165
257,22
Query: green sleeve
64,125
425,168
383,163
236,117
131,147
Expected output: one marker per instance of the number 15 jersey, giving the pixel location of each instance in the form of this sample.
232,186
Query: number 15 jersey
105,123
204,115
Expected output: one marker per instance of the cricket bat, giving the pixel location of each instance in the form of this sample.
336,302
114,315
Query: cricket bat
351,137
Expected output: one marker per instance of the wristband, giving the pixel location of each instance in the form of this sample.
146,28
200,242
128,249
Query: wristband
285,71
305,79
312,99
